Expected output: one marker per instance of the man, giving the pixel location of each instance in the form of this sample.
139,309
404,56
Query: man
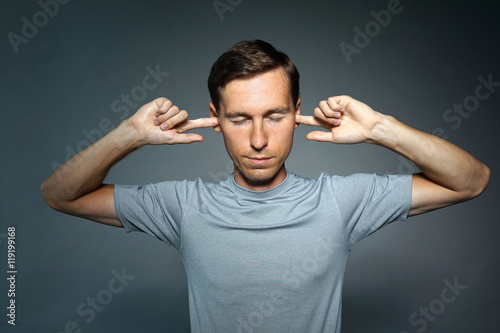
264,250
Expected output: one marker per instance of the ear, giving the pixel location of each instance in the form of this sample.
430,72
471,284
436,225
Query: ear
214,114
297,111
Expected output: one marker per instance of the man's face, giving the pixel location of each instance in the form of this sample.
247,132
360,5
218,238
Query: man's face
257,119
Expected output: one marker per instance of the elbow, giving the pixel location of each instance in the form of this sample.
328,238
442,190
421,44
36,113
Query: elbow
486,178
47,196
481,182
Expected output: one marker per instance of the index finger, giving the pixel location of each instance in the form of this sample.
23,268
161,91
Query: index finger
200,123
311,121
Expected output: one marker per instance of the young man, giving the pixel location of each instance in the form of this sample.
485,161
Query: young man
264,250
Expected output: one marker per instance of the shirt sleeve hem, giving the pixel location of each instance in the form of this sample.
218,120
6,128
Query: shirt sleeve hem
129,227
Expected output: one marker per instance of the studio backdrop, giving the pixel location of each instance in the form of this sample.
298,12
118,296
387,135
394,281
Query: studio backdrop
71,71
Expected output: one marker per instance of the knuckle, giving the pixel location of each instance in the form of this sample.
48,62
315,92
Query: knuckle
170,123
332,103
163,117
166,103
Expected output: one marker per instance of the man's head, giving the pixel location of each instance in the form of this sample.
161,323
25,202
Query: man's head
246,59
255,94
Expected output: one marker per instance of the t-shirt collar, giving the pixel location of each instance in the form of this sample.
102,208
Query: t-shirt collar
274,191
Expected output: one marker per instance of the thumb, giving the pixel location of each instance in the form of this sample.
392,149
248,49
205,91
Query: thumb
188,138
321,136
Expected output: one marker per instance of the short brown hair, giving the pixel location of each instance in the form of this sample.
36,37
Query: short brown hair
247,59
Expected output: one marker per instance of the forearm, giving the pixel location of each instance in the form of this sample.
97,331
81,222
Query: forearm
85,171
439,160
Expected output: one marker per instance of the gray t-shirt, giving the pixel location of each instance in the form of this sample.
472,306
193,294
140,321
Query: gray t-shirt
270,261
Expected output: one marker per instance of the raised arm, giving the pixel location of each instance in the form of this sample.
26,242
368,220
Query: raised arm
76,187
449,174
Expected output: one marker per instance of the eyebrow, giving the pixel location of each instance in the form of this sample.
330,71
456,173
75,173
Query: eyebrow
279,110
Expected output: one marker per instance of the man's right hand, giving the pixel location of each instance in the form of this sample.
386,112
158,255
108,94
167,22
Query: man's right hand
161,122
76,187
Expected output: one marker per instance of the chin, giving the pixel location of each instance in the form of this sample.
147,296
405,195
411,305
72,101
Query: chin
260,176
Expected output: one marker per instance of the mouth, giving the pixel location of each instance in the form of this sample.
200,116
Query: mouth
259,160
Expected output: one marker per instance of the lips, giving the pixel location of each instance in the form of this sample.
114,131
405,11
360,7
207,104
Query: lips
259,159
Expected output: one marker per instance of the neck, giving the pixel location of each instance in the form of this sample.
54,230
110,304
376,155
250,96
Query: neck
258,186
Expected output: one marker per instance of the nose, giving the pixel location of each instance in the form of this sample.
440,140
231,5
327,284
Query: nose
258,137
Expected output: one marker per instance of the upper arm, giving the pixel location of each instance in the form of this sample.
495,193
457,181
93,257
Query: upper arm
427,195
98,205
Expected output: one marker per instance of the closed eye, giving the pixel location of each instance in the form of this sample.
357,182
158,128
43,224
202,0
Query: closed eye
276,119
239,122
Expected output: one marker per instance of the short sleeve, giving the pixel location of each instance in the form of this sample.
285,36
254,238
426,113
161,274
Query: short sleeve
155,209
368,202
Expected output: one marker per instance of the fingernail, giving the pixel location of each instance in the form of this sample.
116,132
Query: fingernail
164,126
157,122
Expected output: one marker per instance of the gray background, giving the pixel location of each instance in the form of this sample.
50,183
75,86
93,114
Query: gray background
62,82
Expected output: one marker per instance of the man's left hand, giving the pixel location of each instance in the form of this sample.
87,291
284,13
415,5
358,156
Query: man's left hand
348,121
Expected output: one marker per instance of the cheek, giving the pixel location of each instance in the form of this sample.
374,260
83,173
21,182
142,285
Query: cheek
282,142
234,138
284,136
